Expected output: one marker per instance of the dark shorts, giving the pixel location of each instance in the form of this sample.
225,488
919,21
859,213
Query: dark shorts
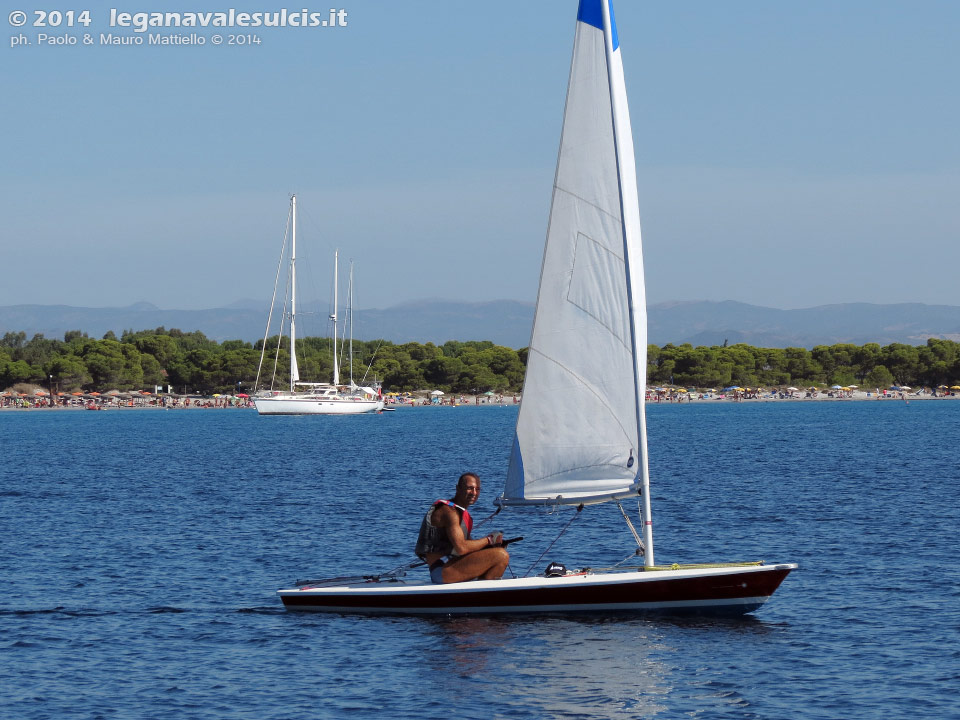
436,573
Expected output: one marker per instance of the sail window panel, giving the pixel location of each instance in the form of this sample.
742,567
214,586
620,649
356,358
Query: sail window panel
597,287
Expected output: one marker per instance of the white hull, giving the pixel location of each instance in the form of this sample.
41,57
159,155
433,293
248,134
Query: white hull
720,590
313,405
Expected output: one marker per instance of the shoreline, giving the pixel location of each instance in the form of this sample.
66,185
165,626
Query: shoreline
855,396
653,398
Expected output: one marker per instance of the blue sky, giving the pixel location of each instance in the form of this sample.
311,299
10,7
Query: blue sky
789,154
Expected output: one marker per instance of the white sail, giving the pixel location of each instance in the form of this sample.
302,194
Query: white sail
580,433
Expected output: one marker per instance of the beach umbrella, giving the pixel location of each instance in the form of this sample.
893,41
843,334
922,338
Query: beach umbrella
835,387
436,392
792,389
242,395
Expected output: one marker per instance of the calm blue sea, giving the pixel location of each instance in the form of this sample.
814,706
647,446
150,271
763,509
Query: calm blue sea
141,551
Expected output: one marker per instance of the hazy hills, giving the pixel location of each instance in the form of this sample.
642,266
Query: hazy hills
508,322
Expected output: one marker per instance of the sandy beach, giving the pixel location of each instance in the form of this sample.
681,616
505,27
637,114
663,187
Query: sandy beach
425,398
748,396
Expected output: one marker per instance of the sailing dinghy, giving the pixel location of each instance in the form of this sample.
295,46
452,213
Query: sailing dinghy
590,306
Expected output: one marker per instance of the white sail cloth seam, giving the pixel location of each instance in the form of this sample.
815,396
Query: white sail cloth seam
615,332
586,385
596,207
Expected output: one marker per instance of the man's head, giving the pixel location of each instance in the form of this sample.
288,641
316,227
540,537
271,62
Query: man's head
468,489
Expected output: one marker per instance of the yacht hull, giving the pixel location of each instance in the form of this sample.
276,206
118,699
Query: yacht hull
315,406
724,591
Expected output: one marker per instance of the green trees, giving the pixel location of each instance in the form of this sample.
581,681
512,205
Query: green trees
468,367
191,362
937,363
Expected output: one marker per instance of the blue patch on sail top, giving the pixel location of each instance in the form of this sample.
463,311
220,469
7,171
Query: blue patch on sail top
591,13
613,28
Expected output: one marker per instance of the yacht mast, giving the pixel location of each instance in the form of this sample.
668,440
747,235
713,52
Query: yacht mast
351,326
294,371
336,368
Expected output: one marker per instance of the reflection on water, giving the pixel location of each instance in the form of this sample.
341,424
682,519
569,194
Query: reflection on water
556,666
619,666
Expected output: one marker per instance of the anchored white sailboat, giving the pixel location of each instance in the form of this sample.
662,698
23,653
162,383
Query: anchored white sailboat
313,398
587,352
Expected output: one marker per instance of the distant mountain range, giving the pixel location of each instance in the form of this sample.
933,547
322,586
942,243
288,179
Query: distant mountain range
508,322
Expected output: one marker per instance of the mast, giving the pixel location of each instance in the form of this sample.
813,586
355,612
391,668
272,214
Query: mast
351,325
630,220
336,368
294,371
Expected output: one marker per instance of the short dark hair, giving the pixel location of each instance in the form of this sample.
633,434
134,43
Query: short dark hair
463,478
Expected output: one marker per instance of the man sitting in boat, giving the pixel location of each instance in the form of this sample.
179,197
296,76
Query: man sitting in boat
445,544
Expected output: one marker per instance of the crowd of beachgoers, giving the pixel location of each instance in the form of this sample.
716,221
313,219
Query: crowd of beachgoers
117,400
837,392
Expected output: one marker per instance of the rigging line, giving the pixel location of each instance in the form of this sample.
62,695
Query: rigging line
398,571
276,357
372,358
565,528
489,517
630,525
273,302
631,556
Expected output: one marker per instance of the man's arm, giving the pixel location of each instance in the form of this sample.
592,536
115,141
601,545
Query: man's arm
450,521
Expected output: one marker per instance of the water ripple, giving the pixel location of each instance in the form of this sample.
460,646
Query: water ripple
141,583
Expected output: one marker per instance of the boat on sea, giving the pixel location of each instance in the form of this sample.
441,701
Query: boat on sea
313,398
580,436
